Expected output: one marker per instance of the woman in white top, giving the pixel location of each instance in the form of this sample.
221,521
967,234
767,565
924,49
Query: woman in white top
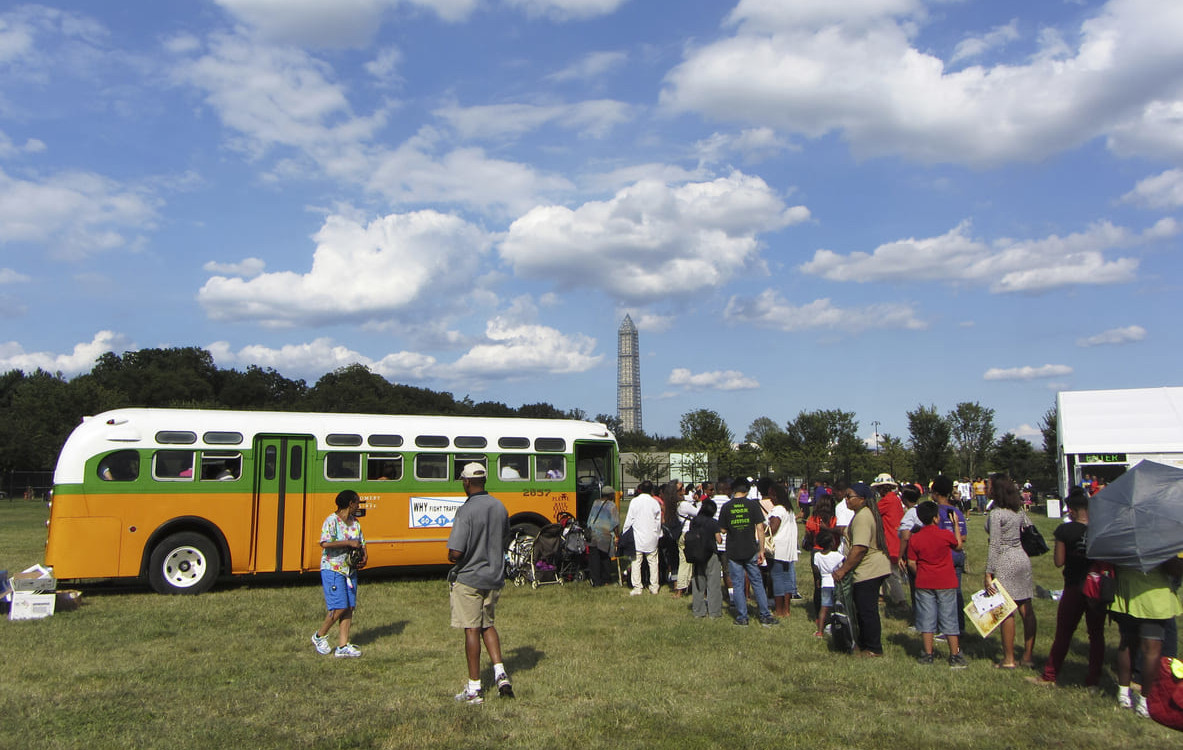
782,523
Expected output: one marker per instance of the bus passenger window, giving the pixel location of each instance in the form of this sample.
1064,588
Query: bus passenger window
221,467
431,466
460,460
513,467
383,467
551,467
173,465
120,466
269,457
343,466
296,463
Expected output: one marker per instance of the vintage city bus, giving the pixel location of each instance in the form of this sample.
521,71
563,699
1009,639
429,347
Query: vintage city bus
181,496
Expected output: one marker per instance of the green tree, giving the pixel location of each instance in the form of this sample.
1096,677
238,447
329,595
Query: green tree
894,457
704,430
258,388
929,441
1051,450
352,389
1016,457
651,466
971,427
773,444
809,442
612,422
180,376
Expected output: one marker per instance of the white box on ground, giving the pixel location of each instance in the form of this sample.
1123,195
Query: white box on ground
36,578
27,605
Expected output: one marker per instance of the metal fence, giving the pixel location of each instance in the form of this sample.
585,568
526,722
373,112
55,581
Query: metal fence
30,485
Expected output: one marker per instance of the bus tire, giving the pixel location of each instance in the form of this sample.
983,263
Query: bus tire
184,563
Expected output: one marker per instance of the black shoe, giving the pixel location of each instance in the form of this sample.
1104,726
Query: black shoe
504,688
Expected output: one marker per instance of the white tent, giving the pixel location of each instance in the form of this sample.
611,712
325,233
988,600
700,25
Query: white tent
1106,432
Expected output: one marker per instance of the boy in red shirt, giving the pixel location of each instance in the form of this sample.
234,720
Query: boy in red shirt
930,558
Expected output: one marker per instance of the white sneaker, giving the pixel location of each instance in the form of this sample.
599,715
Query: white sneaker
1125,700
1141,708
470,696
322,644
348,651
635,592
654,590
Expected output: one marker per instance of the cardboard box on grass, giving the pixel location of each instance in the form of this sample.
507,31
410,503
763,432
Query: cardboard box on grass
27,605
38,578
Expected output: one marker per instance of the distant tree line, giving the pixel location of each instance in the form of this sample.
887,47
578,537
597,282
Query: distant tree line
38,410
825,444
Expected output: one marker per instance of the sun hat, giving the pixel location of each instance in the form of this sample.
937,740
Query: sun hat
473,471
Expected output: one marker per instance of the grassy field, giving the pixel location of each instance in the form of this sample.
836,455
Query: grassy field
592,668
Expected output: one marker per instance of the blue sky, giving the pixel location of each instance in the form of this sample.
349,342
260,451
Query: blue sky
864,205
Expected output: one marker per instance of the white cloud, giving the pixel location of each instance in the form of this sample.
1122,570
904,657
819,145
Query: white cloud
497,121
1114,336
1005,265
591,66
80,360
9,276
717,380
398,265
770,310
340,23
74,214
1160,191
650,240
514,351
280,96
247,268
384,67
1027,373
819,67
976,46
753,145
322,355
651,322
413,173
1029,433
567,10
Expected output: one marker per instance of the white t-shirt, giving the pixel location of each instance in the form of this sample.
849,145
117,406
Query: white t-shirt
827,563
644,518
842,515
720,501
785,538
688,509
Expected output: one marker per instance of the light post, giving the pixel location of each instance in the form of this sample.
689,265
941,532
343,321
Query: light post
876,425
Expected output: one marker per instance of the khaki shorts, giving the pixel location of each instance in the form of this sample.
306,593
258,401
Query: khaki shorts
473,608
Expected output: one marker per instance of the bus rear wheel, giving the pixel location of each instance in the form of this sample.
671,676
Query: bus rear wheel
184,563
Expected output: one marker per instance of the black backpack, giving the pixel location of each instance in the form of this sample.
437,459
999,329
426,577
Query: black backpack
699,545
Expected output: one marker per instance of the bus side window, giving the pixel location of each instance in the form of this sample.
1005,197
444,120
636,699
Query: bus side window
460,460
173,465
221,467
551,467
120,466
384,466
513,466
269,461
431,466
343,466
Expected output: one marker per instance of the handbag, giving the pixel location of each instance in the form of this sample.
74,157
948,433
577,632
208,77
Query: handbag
626,546
1032,540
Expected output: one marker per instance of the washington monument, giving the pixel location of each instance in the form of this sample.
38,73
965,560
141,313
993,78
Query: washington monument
628,377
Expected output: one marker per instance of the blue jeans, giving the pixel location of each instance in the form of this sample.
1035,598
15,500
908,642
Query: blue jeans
784,577
752,571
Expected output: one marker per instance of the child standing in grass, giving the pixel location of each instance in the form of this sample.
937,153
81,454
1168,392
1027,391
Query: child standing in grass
930,559
340,534
826,560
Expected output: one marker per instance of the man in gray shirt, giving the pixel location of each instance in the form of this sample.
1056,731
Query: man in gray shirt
476,547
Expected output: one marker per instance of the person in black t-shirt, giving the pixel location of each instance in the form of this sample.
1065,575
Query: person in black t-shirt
743,520
1070,555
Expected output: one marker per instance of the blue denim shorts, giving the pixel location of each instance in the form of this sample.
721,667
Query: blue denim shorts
827,596
937,607
340,591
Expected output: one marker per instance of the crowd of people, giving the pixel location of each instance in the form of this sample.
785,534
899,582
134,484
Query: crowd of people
902,544
735,539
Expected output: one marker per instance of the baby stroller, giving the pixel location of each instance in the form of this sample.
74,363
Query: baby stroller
546,556
573,551
519,558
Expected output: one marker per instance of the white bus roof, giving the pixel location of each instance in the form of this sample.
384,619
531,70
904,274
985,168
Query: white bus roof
132,428
1132,420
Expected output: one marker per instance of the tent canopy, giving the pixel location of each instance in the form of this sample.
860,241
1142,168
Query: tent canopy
1131,420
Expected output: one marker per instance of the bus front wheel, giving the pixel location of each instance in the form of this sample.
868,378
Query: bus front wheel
185,563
